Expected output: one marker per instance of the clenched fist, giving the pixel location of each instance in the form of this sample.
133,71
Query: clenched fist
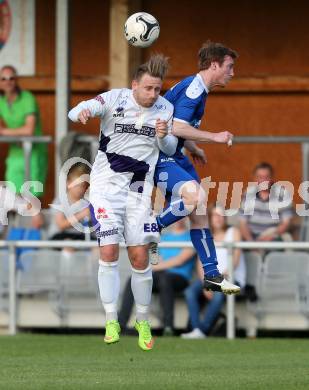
161,128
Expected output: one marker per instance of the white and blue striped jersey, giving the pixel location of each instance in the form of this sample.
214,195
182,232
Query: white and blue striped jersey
126,128
128,142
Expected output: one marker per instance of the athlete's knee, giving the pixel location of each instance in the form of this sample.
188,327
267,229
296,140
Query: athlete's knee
138,257
109,253
139,262
193,194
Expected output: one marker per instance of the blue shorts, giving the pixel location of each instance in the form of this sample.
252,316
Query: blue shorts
173,172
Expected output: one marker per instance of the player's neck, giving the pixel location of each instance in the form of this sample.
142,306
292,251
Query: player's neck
208,79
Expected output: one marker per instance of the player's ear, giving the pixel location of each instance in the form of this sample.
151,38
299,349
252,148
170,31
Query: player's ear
213,65
134,84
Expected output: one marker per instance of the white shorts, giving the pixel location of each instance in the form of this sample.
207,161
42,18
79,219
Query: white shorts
122,215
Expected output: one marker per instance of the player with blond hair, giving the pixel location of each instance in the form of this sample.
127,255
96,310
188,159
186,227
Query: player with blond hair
134,126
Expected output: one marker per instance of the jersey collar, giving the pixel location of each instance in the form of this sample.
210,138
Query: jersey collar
200,78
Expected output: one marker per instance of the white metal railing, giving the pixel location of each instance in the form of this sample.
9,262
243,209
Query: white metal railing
12,245
263,139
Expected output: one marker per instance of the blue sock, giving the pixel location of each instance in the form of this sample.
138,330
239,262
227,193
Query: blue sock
204,245
172,213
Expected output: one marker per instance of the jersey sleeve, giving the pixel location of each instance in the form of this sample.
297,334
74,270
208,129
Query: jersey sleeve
184,108
169,120
168,144
97,106
30,105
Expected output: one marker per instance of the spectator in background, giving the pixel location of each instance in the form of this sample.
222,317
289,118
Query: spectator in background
19,116
76,209
170,276
196,294
257,222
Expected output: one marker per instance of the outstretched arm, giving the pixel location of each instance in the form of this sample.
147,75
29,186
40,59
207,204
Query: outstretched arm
184,130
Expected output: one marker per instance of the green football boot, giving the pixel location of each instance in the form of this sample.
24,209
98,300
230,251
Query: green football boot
145,339
112,331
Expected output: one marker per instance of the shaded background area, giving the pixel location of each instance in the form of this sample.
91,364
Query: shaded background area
268,96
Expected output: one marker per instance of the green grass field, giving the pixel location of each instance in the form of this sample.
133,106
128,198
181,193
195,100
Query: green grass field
85,362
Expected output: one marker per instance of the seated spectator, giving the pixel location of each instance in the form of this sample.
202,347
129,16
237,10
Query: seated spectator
170,277
66,216
259,208
195,293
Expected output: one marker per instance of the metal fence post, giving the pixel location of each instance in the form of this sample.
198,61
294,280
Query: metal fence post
12,289
230,304
27,147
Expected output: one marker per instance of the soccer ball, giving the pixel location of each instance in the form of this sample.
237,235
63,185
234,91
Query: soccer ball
141,29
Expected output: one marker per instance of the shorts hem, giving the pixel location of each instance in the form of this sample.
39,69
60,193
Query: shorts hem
140,244
109,243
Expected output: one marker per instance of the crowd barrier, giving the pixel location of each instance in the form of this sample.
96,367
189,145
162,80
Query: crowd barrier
230,306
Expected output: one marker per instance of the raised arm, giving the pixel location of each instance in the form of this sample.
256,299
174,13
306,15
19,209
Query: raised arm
184,130
88,109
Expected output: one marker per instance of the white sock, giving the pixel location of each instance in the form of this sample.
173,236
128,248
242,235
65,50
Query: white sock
109,286
141,284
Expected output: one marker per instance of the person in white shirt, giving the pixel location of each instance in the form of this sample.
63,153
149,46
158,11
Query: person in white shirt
135,124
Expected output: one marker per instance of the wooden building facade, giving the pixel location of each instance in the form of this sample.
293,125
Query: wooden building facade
268,96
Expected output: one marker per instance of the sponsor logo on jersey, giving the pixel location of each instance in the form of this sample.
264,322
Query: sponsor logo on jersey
106,233
126,128
100,99
151,227
167,159
124,101
119,112
101,213
160,106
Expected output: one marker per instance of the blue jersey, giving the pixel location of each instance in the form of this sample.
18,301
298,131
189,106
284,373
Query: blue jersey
188,98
